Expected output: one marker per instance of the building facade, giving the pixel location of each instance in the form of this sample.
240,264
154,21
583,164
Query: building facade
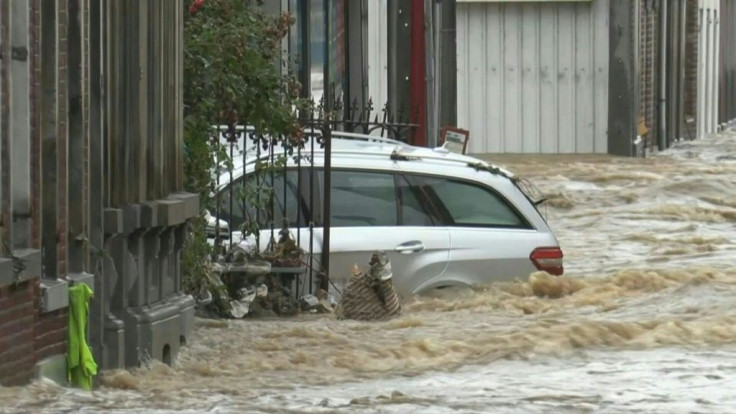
593,76
549,76
377,54
92,192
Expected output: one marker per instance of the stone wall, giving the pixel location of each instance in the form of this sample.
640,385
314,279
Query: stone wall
90,154
28,334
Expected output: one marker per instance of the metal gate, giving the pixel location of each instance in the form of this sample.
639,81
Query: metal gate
533,77
263,211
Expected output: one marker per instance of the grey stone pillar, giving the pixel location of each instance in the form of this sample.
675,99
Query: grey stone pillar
113,297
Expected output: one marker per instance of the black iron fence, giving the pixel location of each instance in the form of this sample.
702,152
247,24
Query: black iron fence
278,187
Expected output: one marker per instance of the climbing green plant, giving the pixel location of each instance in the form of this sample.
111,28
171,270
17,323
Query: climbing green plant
231,58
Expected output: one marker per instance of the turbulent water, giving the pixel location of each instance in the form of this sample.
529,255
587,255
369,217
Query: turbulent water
643,321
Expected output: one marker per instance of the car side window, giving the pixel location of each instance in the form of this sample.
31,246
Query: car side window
289,209
234,218
362,199
472,205
413,209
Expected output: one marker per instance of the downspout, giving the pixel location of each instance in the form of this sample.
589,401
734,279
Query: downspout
418,78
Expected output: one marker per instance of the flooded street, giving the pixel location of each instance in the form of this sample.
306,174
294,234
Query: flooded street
643,321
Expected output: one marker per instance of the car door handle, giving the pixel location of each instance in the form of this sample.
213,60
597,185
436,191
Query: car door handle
410,247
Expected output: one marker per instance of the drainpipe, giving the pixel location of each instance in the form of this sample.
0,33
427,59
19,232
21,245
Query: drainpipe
418,79
662,115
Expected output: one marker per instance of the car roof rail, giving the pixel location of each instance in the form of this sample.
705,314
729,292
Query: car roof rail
395,155
478,165
366,137
316,132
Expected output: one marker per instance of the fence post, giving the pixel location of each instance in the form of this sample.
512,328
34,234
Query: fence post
327,131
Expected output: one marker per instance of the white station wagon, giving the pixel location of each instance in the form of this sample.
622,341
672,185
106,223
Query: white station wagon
443,219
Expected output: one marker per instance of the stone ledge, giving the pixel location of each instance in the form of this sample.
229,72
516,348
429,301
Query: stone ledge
171,212
191,203
131,218
113,219
167,212
54,295
31,259
149,214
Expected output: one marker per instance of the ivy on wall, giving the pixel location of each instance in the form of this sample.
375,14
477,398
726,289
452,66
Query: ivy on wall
232,57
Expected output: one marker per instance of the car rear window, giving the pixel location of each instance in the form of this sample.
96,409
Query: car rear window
468,204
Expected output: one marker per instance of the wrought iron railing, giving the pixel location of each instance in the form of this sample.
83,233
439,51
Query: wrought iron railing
252,166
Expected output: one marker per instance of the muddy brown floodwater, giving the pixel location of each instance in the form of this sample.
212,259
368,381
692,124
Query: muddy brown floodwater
643,321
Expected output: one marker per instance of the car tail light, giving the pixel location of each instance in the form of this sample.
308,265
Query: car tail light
548,259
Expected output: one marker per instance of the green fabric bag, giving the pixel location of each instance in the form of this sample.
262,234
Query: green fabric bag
82,365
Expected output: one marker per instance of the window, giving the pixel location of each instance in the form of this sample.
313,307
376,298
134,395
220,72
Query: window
362,199
471,205
413,212
310,15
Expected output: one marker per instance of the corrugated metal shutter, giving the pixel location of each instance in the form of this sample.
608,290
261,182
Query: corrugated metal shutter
533,77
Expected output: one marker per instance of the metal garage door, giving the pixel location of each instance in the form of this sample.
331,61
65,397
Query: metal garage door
533,77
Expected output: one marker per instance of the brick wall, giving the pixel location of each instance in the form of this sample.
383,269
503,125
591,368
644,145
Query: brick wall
691,68
50,332
26,335
17,332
